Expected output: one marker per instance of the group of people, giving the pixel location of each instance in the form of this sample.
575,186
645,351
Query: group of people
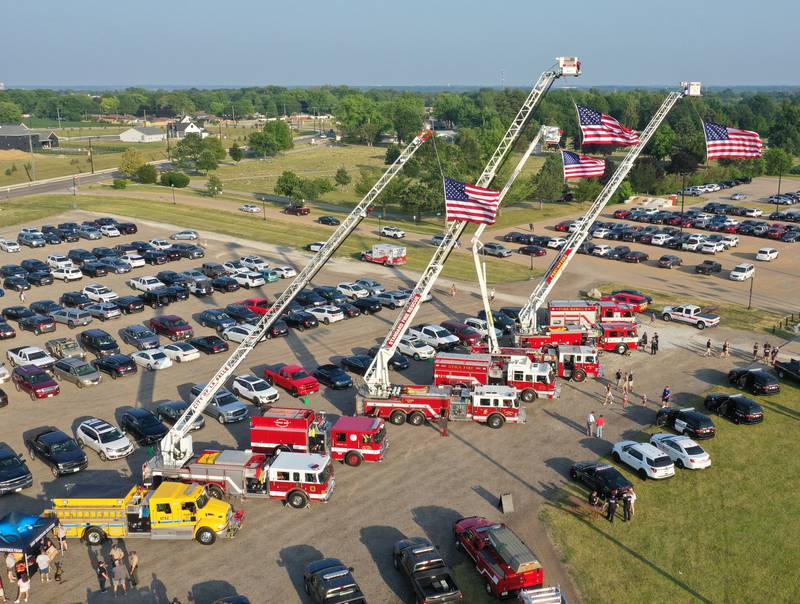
122,571
594,426
609,507
18,566
624,383
769,354
724,352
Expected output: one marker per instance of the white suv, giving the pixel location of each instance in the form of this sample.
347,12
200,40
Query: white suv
393,232
99,293
248,279
254,263
327,314
646,459
254,389
416,348
352,290
59,262
742,272
104,438
682,450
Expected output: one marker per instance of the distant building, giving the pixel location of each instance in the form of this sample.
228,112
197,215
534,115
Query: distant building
181,129
22,138
142,134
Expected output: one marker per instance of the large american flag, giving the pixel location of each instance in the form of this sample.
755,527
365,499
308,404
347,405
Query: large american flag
471,203
722,141
581,166
601,129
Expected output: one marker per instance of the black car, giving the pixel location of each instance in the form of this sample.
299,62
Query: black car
10,270
329,220
501,321
44,307
104,252
212,270
116,365
188,250
241,314
16,283
599,477
16,313
301,320
94,269
511,311
707,267
398,361
14,474
513,237
74,300
332,376
357,363
68,235
278,329
32,265
669,261
170,411
100,343
688,422
172,278
756,380
124,248
172,255
619,252
330,294
38,324
310,298
225,284
79,256
735,407
57,450
113,265
368,305
157,298
349,310
142,246
154,257
127,228
129,304
52,237
329,580
215,318
143,425
209,344
6,331
39,278
176,293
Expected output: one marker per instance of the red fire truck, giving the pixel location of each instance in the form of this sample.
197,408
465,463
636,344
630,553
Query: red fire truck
352,440
502,558
572,335
619,337
569,362
295,478
490,405
532,380
386,254
587,313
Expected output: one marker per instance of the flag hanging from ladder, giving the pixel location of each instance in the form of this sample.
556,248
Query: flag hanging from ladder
581,166
722,141
470,203
601,129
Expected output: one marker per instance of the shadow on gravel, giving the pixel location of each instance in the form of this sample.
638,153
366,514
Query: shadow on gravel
379,541
294,559
711,376
561,465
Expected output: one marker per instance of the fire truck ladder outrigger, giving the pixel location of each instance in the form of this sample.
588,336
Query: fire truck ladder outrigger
527,316
377,378
176,446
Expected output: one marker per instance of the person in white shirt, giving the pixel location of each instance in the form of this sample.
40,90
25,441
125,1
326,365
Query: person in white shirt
43,562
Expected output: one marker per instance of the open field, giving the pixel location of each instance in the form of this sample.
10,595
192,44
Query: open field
693,532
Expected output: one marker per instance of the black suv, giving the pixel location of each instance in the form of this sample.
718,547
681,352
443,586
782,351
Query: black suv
129,304
689,422
79,256
57,450
756,380
143,425
599,477
14,474
329,580
98,342
707,267
74,300
735,407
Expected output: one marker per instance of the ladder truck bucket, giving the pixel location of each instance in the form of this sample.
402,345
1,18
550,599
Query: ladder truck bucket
177,451
569,66
691,88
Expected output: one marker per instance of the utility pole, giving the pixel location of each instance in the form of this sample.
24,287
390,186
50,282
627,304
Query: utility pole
33,157
683,196
58,115
91,155
780,175
750,299
171,186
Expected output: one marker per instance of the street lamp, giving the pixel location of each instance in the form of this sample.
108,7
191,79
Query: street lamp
780,175
683,197
171,186
264,207
750,299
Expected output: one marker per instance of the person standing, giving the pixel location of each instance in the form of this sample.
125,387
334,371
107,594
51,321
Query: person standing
119,577
774,355
102,575
61,533
117,553
755,351
612,506
632,494
626,506
629,380
644,400
43,562
11,567
625,400
708,348
24,584
619,379
22,299
725,350
765,351
491,295
133,560
653,346
601,423
590,423
609,398
666,395
453,290
530,227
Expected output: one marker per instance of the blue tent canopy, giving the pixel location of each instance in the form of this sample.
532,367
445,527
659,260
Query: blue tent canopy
20,532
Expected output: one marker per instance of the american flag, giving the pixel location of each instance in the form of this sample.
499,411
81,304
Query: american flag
581,166
601,129
730,142
471,203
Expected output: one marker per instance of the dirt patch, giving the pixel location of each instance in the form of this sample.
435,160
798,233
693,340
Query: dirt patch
13,154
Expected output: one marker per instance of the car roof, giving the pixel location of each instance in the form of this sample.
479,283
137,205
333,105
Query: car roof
98,424
52,436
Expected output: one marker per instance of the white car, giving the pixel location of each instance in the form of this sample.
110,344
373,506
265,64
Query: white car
250,208
5,375
234,266
254,389
646,459
711,247
352,290
556,243
185,235
238,333
99,293
682,450
59,262
730,241
694,243
181,352
766,254
132,260
145,284
248,279
742,272
327,314
738,196
285,272
660,239
601,233
152,359
254,263
481,326
160,244
416,348
601,250
68,273
393,232
435,335
109,230
107,440
9,246
752,212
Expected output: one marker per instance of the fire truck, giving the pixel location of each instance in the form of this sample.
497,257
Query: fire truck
490,405
352,440
295,478
588,313
571,335
532,380
385,254
621,337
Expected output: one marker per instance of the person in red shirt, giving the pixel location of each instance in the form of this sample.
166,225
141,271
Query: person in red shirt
599,425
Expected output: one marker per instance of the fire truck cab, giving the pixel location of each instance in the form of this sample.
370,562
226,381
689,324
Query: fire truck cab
587,313
621,337
572,362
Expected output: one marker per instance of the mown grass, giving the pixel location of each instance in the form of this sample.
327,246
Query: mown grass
725,534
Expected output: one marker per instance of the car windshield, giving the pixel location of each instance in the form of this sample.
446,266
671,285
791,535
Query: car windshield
35,356
226,399
104,340
259,386
148,420
695,450
418,344
84,369
299,375
379,436
325,475
64,446
110,436
159,356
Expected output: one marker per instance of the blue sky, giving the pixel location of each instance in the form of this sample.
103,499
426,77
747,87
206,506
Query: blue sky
403,42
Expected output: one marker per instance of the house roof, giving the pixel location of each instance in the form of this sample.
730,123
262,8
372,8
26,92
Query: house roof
23,130
146,130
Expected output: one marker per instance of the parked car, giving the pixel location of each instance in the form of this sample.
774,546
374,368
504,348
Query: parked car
754,379
184,235
98,342
62,348
14,473
103,438
735,407
116,365
357,363
329,580
742,272
38,324
215,318
599,477
35,381
688,422
57,450
77,371
329,220
238,333
140,337
254,389
397,361
209,344
645,459
669,261
172,326
143,425
682,450
129,304
103,311
153,359
181,352
497,250
707,267
333,376
767,254
393,232
170,412
224,406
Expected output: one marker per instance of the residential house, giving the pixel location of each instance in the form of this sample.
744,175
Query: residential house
181,129
142,134
22,138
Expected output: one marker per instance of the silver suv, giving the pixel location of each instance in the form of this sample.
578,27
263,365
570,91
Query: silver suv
75,370
225,407
71,316
105,439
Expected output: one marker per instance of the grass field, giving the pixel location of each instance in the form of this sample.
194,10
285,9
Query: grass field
724,534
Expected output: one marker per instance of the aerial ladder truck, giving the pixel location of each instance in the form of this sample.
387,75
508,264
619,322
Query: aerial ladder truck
377,382
176,446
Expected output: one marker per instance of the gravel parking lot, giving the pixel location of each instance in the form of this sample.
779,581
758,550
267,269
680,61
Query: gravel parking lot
426,482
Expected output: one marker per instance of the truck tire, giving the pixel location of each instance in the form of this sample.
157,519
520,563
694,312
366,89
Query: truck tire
398,418
642,474
94,535
416,418
700,325
297,499
579,375
615,456
215,491
528,395
205,536
621,348
666,317
353,459
495,421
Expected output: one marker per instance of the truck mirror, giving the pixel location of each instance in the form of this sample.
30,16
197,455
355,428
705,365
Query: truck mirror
350,568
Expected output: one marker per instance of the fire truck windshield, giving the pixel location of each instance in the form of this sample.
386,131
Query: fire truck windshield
379,435
325,475
201,501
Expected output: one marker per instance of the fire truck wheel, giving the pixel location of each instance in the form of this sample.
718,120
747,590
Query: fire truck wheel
579,375
621,348
495,421
489,588
215,491
297,499
205,536
528,395
94,536
416,418
353,459
398,418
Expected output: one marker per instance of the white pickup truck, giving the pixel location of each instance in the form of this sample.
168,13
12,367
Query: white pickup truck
30,355
434,335
691,314
145,284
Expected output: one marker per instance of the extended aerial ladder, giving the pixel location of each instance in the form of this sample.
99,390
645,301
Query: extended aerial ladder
376,377
176,446
527,316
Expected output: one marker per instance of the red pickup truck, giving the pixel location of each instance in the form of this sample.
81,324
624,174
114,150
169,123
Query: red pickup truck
297,210
293,378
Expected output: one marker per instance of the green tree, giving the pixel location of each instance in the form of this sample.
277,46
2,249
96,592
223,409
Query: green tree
342,177
130,161
289,185
777,161
189,148
119,183
281,134
392,153
214,185
660,146
262,143
147,174
624,192
785,131
207,161
236,153
10,113
588,189
360,117
549,182
178,180
214,144
407,112
109,104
